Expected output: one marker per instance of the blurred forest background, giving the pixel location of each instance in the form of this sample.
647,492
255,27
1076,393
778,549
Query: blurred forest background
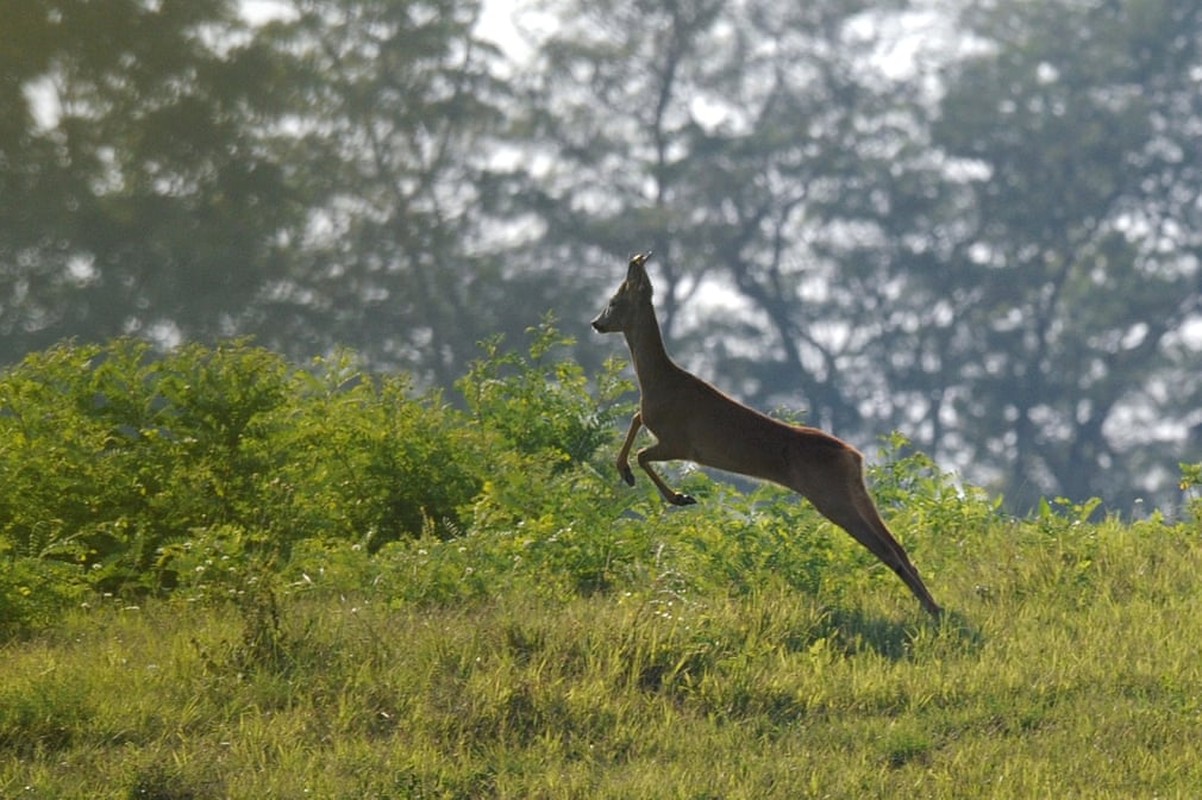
974,221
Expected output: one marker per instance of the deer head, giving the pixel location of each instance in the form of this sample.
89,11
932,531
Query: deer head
618,315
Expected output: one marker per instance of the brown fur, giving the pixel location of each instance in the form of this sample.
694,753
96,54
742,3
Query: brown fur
693,421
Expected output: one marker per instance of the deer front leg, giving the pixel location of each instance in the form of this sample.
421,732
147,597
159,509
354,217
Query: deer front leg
658,452
624,470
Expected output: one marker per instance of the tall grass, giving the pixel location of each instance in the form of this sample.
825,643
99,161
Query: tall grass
1050,679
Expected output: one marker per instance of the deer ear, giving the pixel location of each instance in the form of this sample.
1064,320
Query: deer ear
636,274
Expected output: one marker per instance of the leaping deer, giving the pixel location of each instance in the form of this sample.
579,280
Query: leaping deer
693,421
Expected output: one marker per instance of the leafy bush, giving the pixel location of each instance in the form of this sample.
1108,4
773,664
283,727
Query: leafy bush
127,472
360,458
540,406
1191,480
110,453
909,483
33,593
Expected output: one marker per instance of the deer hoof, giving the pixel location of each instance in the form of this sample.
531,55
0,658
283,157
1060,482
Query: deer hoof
627,475
679,499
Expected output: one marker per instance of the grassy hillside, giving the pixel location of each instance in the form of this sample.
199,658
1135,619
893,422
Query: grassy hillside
301,605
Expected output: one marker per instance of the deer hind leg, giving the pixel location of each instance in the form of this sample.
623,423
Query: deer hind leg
900,562
849,506
660,452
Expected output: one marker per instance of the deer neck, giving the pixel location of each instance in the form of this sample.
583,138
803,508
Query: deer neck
646,343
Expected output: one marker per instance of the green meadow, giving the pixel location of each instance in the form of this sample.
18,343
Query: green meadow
228,576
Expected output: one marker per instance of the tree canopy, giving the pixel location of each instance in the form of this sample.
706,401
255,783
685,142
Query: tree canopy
975,222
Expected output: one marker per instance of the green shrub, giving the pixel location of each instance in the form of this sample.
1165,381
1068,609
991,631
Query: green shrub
111,454
911,485
124,471
541,406
34,592
1191,481
360,458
